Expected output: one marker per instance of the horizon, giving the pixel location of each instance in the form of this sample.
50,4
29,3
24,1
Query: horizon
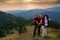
29,9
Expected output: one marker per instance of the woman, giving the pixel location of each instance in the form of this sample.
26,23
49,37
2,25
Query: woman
45,21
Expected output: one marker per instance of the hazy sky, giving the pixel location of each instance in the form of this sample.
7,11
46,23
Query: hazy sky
7,5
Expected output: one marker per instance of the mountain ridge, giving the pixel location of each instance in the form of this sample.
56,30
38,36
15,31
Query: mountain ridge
53,13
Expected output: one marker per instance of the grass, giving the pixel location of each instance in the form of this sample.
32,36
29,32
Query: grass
53,34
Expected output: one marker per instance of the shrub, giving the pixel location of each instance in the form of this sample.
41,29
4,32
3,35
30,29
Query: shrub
2,33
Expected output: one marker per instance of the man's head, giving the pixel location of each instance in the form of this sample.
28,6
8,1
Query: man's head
39,15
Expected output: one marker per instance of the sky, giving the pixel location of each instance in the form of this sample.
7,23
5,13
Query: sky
7,5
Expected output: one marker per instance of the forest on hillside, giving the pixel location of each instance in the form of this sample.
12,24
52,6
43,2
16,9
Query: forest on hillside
9,22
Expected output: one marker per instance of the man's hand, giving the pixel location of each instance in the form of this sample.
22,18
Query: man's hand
39,23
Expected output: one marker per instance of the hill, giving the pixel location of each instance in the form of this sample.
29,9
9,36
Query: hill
53,13
4,17
8,22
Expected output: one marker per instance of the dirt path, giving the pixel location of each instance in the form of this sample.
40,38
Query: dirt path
29,35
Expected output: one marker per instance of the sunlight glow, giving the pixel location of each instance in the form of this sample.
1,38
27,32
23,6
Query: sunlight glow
27,0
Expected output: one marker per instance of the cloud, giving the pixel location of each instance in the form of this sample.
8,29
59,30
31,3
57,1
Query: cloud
9,1
47,1
41,1
23,6
58,1
3,1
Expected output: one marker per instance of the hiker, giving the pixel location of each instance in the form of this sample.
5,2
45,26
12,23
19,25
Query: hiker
37,23
44,25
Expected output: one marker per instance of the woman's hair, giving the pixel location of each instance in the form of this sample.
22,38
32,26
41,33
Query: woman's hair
46,16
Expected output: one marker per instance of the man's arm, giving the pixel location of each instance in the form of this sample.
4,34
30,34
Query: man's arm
37,22
40,22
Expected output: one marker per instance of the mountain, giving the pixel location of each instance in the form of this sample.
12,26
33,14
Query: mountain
16,11
56,9
27,14
53,13
55,16
5,17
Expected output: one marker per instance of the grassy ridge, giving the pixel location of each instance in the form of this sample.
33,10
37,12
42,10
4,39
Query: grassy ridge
9,22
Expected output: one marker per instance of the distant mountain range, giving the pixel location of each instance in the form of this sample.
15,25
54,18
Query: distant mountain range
53,13
4,18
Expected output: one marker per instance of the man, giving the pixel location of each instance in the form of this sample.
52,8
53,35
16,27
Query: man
37,23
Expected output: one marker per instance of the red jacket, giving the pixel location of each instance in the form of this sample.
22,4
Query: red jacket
36,19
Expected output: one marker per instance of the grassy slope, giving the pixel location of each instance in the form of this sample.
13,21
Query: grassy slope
52,35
